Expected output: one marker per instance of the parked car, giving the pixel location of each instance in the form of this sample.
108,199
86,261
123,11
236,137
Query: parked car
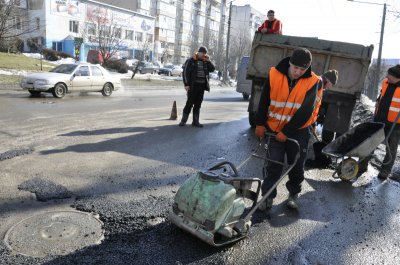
146,68
77,77
95,57
214,75
170,70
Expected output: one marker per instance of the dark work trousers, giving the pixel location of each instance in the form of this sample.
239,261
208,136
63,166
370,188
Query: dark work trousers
276,151
194,98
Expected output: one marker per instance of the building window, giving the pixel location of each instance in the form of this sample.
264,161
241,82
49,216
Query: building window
73,26
129,34
117,33
105,31
38,23
149,37
17,23
57,46
139,36
91,29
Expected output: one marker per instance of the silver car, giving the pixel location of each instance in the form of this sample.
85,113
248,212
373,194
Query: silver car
66,78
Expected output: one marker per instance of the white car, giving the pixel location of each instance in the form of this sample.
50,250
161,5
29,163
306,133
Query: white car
77,77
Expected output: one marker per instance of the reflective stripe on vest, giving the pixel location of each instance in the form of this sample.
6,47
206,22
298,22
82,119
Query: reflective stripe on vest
284,104
394,104
317,105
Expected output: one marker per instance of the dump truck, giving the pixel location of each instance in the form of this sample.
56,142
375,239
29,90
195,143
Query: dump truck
243,85
351,60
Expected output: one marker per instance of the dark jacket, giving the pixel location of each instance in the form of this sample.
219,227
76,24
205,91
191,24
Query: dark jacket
382,112
302,115
190,72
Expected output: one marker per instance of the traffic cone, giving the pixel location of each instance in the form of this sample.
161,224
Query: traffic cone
174,113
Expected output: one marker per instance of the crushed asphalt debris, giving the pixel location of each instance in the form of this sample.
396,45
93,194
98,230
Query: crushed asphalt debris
14,153
45,190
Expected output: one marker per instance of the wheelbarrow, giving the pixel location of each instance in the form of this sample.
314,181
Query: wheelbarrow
212,206
356,145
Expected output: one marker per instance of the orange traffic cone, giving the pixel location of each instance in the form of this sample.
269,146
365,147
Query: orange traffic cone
174,113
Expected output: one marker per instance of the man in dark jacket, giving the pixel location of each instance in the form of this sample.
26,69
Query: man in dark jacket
196,80
386,111
288,106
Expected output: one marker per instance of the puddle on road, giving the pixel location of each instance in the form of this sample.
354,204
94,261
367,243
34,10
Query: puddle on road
45,190
14,153
54,233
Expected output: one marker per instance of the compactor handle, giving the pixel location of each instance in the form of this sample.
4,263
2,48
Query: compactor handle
222,164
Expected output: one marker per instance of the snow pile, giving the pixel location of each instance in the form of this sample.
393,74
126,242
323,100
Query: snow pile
61,61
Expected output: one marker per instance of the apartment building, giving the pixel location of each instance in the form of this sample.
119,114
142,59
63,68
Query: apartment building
62,22
245,20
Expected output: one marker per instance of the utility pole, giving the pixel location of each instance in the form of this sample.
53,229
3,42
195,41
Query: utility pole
227,44
378,63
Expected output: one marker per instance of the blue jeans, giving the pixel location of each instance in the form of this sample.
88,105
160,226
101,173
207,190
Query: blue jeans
277,151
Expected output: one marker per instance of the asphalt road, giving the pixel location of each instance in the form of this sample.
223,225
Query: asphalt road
122,158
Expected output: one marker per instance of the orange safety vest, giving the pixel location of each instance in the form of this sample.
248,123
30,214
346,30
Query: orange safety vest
283,104
395,104
317,105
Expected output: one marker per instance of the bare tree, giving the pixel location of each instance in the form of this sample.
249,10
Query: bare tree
369,90
166,54
14,23
144,47
102,30
240,46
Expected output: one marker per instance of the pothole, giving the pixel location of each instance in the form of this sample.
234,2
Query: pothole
45,189
54,233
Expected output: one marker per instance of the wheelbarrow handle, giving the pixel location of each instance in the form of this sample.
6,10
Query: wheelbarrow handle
386,141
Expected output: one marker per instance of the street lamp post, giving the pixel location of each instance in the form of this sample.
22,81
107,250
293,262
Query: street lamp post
378,63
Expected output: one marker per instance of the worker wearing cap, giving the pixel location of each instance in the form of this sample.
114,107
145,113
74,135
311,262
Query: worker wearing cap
287,108
386,109
271,25
196,72
329,79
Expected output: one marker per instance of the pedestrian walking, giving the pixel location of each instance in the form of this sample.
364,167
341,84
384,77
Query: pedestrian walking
386,110
219,74
196,80
271,25
288,105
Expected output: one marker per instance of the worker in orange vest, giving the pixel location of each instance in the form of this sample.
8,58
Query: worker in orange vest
288,105
386,110
271,25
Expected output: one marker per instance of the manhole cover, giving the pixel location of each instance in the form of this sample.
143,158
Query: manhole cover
54,233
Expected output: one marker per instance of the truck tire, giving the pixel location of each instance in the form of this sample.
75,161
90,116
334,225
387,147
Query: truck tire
252,119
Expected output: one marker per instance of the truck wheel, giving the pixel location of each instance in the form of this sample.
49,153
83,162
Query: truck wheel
59,90
252,119
34,93
245,96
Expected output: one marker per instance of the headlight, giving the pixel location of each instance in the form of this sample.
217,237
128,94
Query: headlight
23,81
41,82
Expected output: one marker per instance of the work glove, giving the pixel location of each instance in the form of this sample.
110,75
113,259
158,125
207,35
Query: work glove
280,137
260,131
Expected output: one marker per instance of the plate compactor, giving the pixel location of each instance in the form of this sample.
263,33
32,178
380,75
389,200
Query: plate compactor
211,205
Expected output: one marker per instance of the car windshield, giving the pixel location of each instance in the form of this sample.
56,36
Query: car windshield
64,69
169,66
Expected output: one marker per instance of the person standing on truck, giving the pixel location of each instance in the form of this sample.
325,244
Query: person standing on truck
271,25
288,106
196,72
329,79
386,109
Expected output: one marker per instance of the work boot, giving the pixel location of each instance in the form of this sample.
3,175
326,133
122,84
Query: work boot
184,119
196,122
266,205
291,202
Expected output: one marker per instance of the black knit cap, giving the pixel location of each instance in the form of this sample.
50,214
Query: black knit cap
202,49
332,76
394,71
301,57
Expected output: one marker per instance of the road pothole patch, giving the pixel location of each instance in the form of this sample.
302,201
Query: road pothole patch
45,190
54,233
14,153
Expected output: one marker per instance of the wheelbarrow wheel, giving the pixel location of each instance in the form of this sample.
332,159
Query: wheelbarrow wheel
348,169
